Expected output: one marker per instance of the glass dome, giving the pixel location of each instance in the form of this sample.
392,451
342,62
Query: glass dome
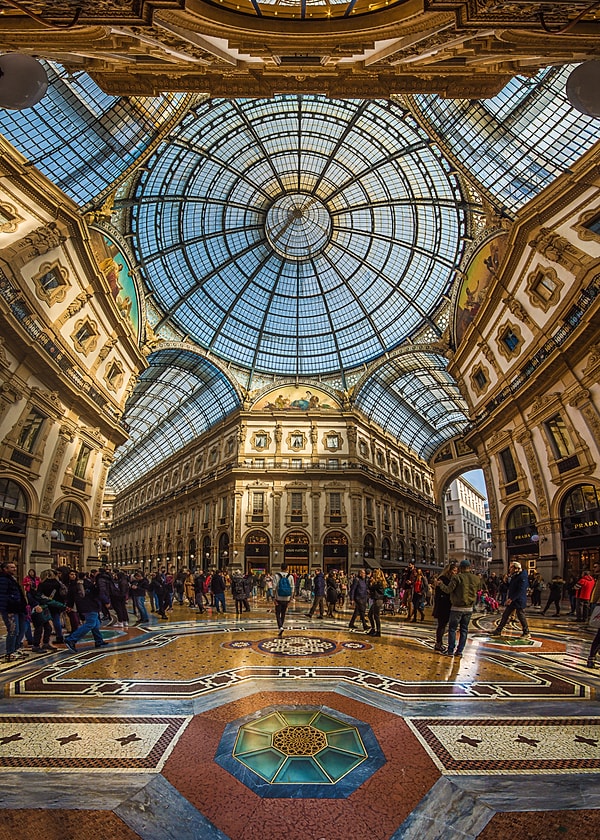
298,235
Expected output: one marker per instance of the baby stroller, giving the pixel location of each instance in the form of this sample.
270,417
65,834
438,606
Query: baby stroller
490,604
389,602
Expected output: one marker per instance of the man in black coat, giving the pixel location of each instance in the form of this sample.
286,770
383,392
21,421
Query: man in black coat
13,606
359,593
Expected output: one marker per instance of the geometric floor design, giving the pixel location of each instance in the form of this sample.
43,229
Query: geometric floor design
138,740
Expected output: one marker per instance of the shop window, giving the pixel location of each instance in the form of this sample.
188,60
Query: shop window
332,441
508,465
479,380
258,506
559,437
509,341
51,283
85,336
296,440
260,440
296,507
30,432
543,288
83,458
114,376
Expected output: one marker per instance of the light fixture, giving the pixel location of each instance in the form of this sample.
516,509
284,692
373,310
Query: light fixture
583,88
23,81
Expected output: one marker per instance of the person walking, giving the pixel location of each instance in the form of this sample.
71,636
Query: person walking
516,600
238,591
283,587
319,596
554,594
13,606
218,586
419,596
462,589
442,606
88,603
331,594
583,589
376,586
359,593
139,586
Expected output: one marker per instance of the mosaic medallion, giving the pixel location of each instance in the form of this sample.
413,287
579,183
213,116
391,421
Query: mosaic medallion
300,752
298,646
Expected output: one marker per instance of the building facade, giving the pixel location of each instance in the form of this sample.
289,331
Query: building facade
294,478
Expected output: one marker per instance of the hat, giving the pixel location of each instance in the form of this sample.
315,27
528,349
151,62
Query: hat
465,564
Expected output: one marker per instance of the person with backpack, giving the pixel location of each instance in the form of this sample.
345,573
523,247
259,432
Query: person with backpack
283,585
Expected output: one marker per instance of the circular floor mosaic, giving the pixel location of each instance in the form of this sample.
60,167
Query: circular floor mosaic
295,646
300,752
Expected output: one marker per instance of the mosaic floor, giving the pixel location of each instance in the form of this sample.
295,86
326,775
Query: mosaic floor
213,727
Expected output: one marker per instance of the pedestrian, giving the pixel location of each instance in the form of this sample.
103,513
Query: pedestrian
554,594
516,600
331,594
358,595
13,606
283,584
462,588
319,595
442,606
218,585
583,589
238,591
377,585
88,603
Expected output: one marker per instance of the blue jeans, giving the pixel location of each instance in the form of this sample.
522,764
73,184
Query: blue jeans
458,620
140,605
91,625
15,630
220,601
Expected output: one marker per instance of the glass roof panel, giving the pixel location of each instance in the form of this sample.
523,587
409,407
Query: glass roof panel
518,142
177,398
82,138
415,399
297,235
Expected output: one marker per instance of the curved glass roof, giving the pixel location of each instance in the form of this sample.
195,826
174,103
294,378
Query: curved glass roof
177,398
306,9
415,399
81,138
517,142
298,235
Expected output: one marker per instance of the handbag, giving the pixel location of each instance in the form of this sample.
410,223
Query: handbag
595,617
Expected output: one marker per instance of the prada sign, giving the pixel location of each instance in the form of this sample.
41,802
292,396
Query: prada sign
585,524
12,522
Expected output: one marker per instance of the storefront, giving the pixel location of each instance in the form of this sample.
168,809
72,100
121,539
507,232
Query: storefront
13,522
522,539
580,518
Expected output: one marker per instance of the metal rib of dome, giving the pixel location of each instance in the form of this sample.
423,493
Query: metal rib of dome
298,235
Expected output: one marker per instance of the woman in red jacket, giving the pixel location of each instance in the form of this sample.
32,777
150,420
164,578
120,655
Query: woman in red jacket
583,588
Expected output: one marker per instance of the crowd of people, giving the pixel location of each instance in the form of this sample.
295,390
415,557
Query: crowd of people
68,604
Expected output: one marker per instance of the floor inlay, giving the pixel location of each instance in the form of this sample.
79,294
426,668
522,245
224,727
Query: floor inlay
517,746
73,742
300,752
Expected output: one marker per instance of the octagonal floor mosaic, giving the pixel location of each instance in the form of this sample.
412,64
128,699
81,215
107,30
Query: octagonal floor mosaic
300,752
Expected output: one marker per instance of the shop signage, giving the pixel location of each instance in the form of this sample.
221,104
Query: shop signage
12,521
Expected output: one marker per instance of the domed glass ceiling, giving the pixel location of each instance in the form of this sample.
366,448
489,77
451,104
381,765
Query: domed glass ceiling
298,235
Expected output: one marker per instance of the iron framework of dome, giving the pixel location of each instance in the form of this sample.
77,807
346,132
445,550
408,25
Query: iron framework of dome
298,236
